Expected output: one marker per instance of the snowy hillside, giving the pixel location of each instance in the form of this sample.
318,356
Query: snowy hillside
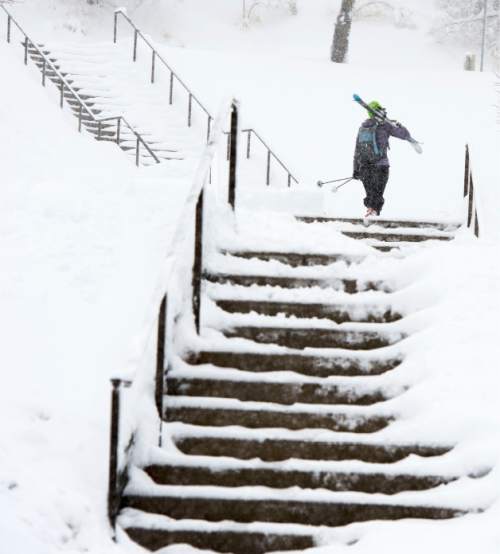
84,234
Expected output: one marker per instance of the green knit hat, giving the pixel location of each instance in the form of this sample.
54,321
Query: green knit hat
375,105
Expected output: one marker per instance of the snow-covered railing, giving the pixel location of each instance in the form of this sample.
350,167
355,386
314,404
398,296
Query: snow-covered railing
178,292
174,78
470,195
65,88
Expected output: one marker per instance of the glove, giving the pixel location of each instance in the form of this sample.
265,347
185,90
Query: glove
356,175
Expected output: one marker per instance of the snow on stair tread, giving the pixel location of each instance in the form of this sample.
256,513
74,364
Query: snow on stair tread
300,284
130,517
385,439
260,358
340,313
400,224
269,390
359,384
234,404
143,486
210,474
447,465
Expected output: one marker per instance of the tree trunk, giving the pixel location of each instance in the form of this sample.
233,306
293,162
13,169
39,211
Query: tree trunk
340,45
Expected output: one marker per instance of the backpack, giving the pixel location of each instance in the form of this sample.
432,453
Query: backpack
367,149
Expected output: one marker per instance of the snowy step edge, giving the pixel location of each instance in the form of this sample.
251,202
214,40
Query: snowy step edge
381,439
131,517
446,465
140,484
214,403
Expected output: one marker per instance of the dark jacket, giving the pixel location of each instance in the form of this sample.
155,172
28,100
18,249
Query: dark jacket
383,132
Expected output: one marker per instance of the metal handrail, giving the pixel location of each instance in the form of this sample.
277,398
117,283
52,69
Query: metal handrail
173,75
65,85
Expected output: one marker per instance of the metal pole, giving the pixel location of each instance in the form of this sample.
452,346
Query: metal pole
153,63
171,93
113,452
115,28
471,203
135,45
233,154
160,356
26,51
467,171
80,119
483,42
209,128
190,109
44,69
249,133
268,168
9,21
137,152
198,262
118,129
62,94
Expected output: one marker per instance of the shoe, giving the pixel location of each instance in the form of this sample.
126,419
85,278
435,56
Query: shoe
371,212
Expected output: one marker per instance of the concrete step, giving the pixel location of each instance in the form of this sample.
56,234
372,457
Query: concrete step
277,392
315,366
349,286
235,542
278,450
245,510
103,133
393,237
260,415
207,474
338,313
387,224
295,259
307,337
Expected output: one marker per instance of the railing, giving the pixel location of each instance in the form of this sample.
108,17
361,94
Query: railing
84,112
175,79
173,291
472,220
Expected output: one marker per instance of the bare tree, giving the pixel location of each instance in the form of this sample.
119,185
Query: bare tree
340,45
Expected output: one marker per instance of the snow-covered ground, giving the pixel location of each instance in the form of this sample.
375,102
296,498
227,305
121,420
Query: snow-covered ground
83,236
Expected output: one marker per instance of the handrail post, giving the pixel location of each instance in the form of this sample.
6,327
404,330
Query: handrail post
44,70
268,169
99,129
289,180
9,25
209,128
80,119
249,134
113,453
171,92
115,28
471,203
233,154
160,360
137,146
118,130
467,171
153,66
26,42
198,262
62,94
136,32
190,109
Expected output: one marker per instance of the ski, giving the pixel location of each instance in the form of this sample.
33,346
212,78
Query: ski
384,119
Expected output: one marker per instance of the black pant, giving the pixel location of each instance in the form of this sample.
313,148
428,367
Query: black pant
374,180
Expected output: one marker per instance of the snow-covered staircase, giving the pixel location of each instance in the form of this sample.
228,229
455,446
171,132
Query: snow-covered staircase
110,85
277,418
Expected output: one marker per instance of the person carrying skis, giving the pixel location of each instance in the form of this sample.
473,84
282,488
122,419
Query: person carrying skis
371,164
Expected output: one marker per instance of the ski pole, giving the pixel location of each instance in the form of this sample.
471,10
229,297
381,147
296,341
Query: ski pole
335,189
321,183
